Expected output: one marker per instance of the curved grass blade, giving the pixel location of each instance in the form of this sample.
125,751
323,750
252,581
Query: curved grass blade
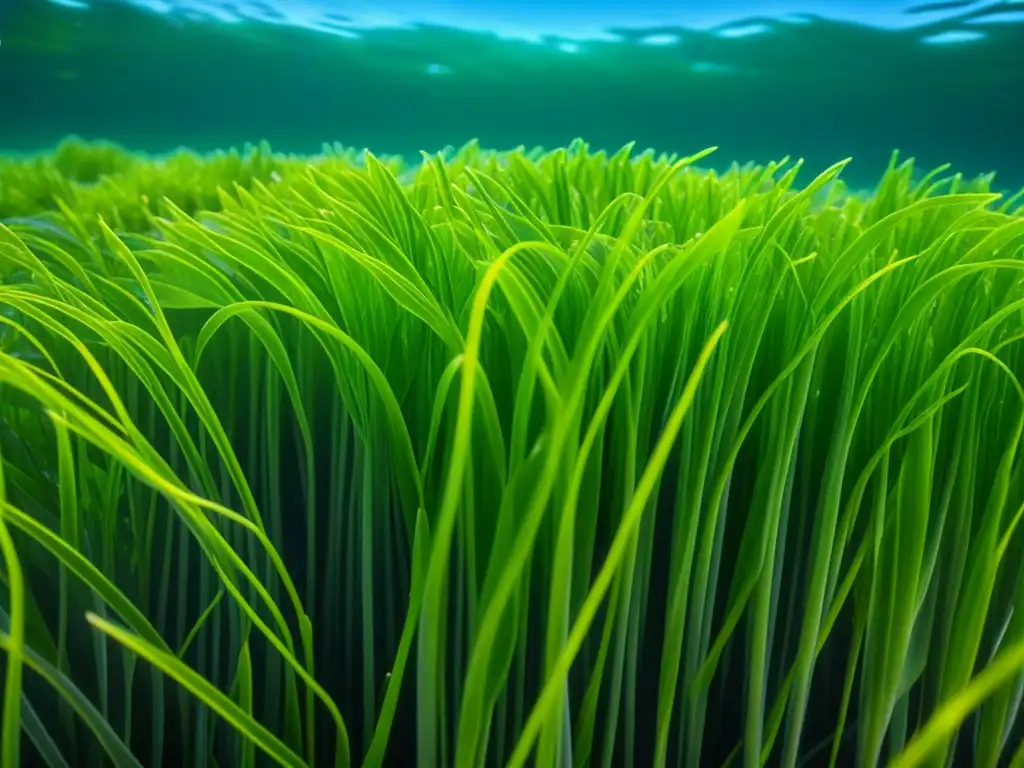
171,666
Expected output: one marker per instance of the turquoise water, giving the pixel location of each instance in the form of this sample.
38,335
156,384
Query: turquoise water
941,81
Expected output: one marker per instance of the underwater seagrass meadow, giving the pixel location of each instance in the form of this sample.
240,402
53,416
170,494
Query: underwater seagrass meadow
555,458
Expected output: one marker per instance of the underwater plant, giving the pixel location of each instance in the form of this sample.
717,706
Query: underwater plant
561,458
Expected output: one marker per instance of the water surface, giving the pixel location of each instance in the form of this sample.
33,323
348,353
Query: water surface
943,81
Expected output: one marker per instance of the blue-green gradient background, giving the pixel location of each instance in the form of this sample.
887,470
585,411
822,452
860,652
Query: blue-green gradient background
821,80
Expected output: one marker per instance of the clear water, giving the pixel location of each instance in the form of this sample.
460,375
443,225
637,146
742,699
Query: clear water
940,81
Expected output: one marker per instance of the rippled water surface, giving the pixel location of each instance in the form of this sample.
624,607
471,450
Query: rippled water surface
943,81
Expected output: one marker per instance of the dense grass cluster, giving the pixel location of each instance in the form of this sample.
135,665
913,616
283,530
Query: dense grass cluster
561,459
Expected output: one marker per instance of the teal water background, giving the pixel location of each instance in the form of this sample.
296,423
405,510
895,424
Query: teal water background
943,82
